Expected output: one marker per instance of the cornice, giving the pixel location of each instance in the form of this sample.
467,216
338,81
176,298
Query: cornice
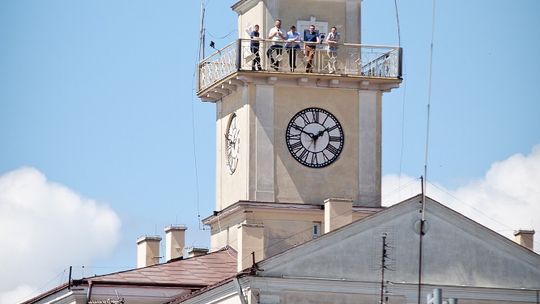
243,6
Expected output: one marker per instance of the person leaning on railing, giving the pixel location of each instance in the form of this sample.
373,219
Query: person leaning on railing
277,36
292,46
254,48
311,39
332,40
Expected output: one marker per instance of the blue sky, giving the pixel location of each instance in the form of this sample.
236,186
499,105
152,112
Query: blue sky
98,97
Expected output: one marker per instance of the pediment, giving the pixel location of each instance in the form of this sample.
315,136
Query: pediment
456,251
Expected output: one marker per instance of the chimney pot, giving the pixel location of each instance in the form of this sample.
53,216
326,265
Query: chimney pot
175,236
148,251
525,238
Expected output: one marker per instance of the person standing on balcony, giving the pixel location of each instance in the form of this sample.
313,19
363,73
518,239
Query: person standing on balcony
254,48
277,36
311,39
292,46
332,40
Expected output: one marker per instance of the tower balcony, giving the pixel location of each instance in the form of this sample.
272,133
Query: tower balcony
350,65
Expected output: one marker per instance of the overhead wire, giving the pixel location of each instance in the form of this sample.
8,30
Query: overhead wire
220,37
43,286
425,176
476,209
428,114
397,21
402,147
193,125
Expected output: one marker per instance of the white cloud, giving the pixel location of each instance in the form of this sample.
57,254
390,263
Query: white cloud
16,295
507,198
44,228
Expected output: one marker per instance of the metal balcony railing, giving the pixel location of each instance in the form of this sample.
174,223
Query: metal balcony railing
351,60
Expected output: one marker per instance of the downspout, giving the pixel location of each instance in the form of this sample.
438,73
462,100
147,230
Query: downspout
240,291
89,292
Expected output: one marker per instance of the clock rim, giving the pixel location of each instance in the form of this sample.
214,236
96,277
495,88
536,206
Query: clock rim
342,137
227,156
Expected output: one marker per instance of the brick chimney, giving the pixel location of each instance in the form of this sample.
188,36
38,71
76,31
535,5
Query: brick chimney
337,213
525,238
175,236
148,251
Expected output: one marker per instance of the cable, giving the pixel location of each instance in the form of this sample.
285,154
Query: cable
424,180
429,103
397,21
43,286
193,133
193,127
402,126
221,37
477,210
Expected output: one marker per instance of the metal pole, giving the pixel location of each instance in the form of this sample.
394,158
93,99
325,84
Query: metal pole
420,246
383,262
202,33
69,278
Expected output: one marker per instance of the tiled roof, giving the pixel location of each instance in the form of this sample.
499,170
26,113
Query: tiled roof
191,273
201,271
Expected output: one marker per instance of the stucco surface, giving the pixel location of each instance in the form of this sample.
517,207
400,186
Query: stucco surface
456,250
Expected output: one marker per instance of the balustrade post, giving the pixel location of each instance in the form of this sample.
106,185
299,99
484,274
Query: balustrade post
400,62
239,55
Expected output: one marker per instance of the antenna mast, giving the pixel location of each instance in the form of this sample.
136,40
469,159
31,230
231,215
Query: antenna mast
202,38
384,256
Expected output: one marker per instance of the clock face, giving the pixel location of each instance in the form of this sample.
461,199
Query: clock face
315,137
232,139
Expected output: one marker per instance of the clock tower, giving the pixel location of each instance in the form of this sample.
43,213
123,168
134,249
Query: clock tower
298,123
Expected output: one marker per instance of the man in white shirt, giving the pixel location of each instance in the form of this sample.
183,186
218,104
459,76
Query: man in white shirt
277,36
332,40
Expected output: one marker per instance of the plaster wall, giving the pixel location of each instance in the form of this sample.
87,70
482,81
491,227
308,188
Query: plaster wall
281,230
332,12
344,178
344,14
251,17
231,188
267,172
302,297
456,251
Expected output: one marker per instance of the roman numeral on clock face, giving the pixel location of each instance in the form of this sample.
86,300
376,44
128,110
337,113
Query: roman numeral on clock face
305,118
332,128
304,155
296,146
315,115
333,149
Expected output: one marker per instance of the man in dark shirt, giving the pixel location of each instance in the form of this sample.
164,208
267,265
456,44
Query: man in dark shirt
254,47
311,39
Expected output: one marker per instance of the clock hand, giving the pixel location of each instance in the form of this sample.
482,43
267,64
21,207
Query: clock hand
311,135
319,134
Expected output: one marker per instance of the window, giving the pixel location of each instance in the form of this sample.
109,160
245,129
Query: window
316,232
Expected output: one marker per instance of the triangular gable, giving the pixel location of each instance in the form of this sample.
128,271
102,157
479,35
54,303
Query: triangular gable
456,251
